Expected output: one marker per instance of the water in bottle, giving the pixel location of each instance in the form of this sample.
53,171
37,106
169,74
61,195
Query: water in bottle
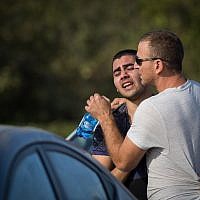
87,126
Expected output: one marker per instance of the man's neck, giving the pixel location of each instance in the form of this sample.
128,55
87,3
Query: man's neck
133,104
170,82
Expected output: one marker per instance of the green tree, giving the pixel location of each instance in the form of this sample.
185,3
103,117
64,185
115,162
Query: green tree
53,55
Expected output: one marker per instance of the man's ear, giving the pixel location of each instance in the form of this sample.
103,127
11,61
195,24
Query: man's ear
159,67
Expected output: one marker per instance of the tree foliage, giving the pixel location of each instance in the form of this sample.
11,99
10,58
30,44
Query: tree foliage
54,54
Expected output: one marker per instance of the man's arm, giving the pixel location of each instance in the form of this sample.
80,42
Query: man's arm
106,161
124,153
120,175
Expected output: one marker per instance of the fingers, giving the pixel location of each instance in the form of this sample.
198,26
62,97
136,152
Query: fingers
114,105
117,102
97,98
96,95
91,99
106,98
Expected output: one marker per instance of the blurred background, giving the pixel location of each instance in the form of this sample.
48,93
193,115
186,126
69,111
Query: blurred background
55,54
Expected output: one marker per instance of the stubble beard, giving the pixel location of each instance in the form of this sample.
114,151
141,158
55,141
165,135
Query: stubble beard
135,95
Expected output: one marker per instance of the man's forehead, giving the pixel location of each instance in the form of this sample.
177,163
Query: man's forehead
143,47
124,58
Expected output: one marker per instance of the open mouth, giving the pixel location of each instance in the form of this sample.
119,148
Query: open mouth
127,85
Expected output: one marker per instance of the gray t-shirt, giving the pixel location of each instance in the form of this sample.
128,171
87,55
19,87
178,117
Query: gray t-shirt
167,125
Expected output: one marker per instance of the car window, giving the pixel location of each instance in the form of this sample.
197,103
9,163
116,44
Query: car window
30,180
79,180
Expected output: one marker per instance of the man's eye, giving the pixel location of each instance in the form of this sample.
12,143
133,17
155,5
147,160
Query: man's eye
116,73
131,67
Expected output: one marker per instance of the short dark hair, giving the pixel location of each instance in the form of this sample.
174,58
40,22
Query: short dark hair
123,52
166,45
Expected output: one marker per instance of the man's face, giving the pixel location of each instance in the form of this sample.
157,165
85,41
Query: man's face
126,78
146,68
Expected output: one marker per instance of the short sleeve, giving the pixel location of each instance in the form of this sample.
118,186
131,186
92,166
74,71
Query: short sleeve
147,130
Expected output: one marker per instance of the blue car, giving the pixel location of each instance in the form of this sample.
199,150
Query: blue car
38,165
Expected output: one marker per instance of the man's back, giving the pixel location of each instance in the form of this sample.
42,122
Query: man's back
174,164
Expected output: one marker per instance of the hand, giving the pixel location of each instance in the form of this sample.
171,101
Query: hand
98,106
117,102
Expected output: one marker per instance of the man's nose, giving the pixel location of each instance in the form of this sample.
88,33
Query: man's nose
124,74
136,66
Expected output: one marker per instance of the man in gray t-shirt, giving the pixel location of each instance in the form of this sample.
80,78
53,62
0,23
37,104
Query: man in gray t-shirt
169,131
166,126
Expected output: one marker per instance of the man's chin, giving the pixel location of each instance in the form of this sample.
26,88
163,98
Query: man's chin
133,95
129,95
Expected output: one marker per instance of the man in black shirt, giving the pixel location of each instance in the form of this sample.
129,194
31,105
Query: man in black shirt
128,84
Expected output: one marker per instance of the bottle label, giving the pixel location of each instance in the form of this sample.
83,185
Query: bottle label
87,126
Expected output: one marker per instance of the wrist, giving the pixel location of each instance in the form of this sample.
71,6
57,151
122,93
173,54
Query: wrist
106,119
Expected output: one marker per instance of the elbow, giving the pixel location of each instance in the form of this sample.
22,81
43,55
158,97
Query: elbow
122,166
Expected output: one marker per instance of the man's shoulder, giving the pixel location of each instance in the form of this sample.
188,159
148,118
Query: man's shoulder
149,100
195,84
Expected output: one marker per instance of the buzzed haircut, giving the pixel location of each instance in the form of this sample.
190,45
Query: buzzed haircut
166,45
123,52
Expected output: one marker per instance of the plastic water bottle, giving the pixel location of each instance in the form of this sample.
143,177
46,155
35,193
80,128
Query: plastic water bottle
87,126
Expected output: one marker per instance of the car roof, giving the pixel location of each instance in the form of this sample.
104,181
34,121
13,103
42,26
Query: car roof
15,139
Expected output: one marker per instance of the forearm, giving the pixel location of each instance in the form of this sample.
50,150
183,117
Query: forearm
112,136
120,175
124,153
104,160
107,163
